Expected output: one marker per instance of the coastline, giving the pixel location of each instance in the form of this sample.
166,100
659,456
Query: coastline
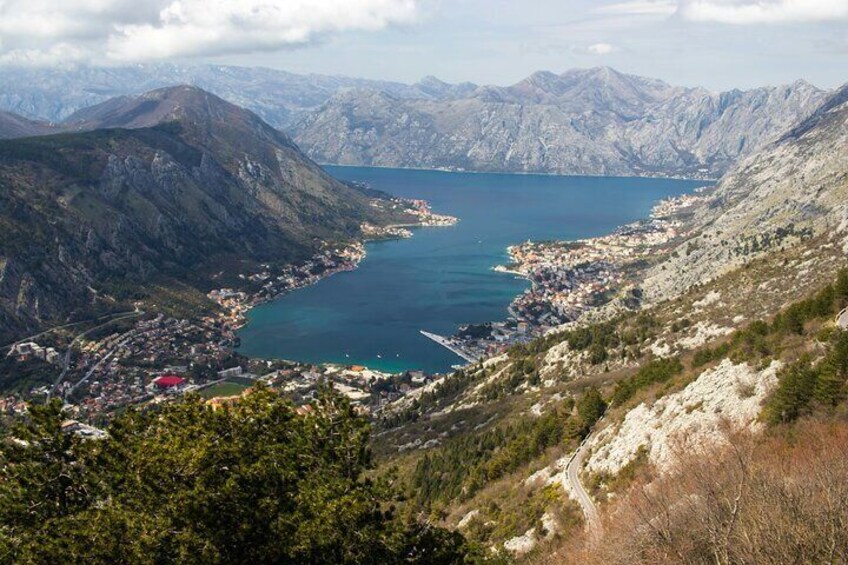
525,173
567,278
236,304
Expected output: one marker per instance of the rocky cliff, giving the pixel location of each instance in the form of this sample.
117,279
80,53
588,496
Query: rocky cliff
794,188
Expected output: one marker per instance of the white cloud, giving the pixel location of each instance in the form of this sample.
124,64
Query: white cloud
641,8
742,12
601,49
34,31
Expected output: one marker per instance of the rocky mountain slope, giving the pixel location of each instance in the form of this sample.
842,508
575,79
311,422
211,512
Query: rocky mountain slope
739,335
594,121
174,184
795,188
583,121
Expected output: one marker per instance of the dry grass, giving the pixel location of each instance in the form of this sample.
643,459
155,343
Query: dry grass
778,499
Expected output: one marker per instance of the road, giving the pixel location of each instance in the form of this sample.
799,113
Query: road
126,337
572,471
66,361
842,319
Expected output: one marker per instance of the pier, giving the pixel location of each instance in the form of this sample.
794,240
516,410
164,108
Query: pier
445,342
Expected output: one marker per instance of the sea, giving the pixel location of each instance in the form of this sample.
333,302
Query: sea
442,277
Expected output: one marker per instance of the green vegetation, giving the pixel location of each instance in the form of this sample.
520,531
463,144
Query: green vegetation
805,387
652,372
465,464
258,483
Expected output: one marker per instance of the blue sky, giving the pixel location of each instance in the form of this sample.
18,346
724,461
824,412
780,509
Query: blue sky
719,44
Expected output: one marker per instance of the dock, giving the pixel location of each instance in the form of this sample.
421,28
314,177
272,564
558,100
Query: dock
446,343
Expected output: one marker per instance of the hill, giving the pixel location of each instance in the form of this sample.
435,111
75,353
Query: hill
176,185
621,437
12,125
583,121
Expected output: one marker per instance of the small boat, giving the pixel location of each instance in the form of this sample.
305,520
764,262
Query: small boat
379,356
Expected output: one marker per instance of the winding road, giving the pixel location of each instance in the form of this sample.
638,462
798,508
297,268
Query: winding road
572,471
842,319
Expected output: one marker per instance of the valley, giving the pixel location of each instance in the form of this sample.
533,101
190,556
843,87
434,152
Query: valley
446,366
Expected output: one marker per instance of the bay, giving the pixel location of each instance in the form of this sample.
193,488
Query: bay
442,277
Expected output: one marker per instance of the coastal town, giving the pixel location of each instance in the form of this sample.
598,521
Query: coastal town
140,358
567,278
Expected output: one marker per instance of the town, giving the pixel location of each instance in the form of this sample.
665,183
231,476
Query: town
570,277
138,358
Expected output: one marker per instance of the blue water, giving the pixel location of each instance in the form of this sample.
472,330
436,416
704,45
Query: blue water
442,277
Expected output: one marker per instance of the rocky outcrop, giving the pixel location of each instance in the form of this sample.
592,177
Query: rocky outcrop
720,402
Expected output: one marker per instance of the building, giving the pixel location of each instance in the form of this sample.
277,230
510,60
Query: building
227,373
167,382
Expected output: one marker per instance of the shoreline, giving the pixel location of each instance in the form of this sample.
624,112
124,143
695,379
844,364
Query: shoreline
588,282
520,173
238,303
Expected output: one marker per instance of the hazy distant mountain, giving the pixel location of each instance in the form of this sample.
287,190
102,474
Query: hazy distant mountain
595,121
196,186
13,125
584,121
277,96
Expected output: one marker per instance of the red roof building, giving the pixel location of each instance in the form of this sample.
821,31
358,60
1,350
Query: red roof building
168,381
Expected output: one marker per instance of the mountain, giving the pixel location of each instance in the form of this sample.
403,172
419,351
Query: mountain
669,426
583,121
13,125
175,185
593,121
795,187
277,96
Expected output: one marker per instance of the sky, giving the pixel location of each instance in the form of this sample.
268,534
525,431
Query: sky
719,44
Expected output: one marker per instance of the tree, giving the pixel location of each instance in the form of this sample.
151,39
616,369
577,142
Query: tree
590,408
261,482
793,393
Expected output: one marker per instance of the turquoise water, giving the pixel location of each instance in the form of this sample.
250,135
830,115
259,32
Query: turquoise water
442,277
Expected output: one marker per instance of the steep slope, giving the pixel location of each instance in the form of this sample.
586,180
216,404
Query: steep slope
795,188
196,186
592,121
12,125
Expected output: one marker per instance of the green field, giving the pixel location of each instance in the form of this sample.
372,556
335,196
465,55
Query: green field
226,388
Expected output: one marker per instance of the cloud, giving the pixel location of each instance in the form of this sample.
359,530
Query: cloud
601,49
641,8
744,12
47,31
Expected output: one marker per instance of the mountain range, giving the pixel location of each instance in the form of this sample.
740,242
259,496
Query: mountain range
586,121
594,122
175,184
